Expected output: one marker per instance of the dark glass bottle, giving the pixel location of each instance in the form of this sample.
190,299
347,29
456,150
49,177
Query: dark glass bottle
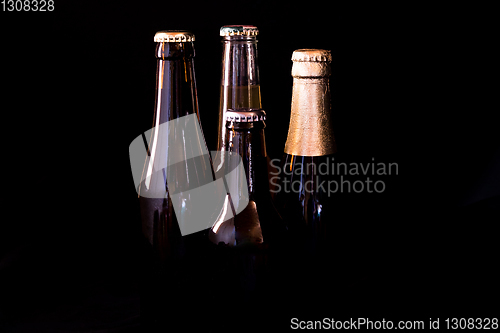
248,243
247,235
240,89
302,197
240,93
172,259
176,98
256,222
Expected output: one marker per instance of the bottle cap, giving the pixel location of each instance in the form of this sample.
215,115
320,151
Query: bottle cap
311,63
312,55
176,36
245,115
239,30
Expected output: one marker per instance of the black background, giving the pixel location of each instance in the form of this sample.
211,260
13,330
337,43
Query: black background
410,84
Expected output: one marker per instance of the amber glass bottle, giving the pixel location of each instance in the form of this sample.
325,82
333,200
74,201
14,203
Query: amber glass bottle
252,227
242,134
171,259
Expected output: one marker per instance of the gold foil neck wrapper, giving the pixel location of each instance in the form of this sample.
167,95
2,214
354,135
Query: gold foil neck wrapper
310,132
310,69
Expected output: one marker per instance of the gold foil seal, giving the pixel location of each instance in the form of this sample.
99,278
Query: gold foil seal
310,132
311,55
311,63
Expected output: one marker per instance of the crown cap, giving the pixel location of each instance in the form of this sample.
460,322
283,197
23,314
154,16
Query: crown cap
245,115
309,63
312,55
175,36
239,30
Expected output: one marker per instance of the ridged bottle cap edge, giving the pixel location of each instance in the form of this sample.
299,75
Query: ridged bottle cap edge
239,30
312,55
246,116
179,36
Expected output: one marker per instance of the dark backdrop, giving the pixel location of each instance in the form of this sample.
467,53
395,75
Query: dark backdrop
409,85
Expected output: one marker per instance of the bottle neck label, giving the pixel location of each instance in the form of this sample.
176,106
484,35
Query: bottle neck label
310,132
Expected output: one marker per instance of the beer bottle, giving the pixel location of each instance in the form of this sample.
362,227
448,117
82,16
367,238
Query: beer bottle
248,247
241,134
178,161
302,202
240,89
257,222
246,236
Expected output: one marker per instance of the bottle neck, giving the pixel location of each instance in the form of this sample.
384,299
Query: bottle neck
310,131
171,144
175,81
248,141
240,86
239,64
